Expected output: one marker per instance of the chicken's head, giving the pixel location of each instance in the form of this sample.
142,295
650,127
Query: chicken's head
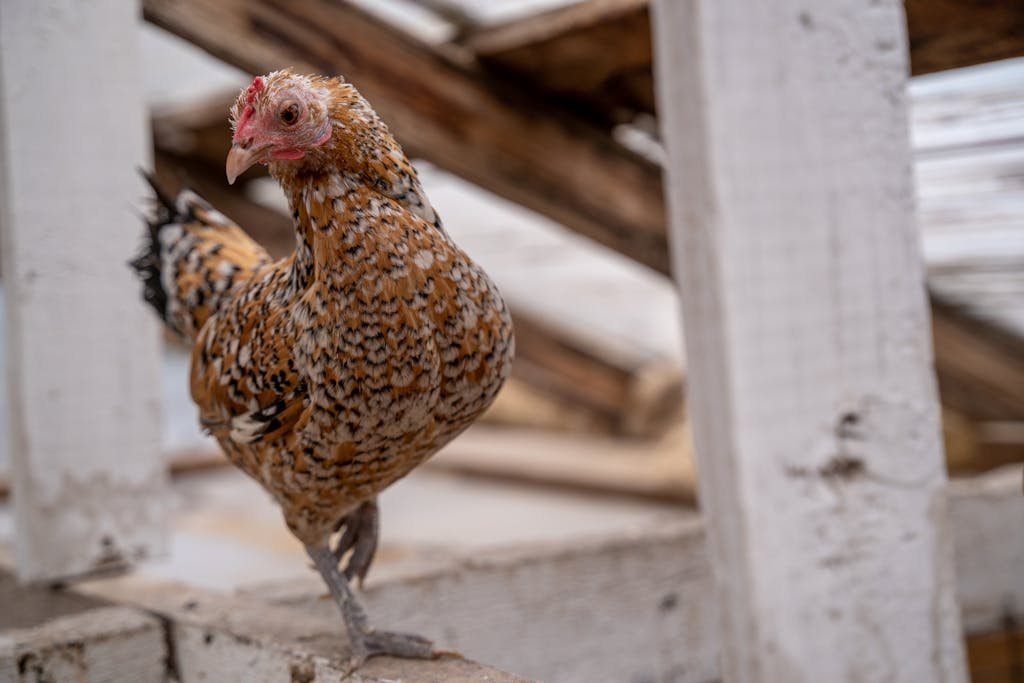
280,117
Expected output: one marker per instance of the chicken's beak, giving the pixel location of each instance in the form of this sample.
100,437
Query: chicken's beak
239,160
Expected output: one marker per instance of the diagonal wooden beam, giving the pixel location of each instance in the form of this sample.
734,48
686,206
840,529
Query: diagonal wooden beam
566,51
500,137
980,364
949,34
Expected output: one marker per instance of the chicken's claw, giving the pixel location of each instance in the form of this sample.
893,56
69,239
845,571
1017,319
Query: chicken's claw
365,641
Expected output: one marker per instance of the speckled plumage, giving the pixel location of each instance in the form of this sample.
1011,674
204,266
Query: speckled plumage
332,373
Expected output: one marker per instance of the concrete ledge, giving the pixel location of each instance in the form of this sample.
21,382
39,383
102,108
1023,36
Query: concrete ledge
216,637
642,607
128,629
638,607
98,645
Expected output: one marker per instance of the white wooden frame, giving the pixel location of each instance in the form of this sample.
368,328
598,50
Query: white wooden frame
813,397
82,351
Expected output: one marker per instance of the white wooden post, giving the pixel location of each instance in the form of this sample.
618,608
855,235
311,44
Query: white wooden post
812,392
82,351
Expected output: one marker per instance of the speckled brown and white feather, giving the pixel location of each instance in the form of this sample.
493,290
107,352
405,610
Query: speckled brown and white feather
332,373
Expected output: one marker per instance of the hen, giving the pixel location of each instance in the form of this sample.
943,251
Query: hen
330,374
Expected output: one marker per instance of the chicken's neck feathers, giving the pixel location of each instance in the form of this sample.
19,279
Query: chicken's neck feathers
338,215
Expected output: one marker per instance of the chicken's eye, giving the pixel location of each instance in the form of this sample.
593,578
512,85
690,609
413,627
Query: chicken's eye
290,114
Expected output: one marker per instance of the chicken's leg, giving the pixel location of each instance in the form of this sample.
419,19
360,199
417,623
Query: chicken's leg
362,526
366,641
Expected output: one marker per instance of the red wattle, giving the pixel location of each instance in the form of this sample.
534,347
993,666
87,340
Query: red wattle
288,154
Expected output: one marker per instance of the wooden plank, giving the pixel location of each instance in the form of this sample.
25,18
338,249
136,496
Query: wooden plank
981,368
985,513
659,470
565,53
813,400
96,646
976,107
634,607
997,657
215,637
83,353
641,606
635,393
502,138
949,34
520,405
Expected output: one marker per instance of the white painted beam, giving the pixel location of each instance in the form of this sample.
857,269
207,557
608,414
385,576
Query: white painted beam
812,393
214,637
547,611
82,350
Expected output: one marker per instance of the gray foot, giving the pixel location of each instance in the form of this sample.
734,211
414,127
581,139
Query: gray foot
366,641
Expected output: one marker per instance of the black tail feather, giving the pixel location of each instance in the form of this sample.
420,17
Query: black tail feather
147,263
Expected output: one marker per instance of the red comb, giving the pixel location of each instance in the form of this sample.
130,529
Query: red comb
258,84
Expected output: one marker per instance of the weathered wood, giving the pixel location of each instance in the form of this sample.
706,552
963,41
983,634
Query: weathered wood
980,365
948,34
813,402
986,512
968,110
566,52
523,406
504,139
26,607
223,638
636,394
83,354
997,657
628,608
641,607
660,470
968,132
96,645
454,13
974,446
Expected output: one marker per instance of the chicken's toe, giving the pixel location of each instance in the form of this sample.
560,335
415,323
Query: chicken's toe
361,530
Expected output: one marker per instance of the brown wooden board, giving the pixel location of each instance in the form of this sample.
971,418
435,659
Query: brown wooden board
598,53
997,657
980,365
